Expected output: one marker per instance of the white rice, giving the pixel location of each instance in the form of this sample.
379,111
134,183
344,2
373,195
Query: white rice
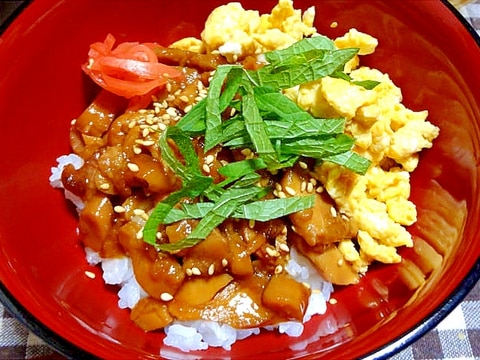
199,335
56,177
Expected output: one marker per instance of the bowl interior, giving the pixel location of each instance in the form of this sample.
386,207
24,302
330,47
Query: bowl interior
422,45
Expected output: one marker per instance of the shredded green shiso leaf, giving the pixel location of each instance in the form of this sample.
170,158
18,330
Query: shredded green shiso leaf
275,128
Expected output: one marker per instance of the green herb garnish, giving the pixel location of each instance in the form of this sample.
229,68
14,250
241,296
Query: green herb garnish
275,128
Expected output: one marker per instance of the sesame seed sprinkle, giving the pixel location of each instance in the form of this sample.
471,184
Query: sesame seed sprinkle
211,269
133,167
90,274
272,252
119,209
333,212
138,212
284,247
166,296
290,190
310,187
278,269
209,159
303,186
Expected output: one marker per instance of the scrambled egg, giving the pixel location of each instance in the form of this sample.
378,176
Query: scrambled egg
236,32
386,132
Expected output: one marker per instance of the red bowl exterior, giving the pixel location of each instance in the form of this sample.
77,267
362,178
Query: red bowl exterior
423,46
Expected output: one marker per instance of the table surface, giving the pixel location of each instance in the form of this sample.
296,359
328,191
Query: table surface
456,337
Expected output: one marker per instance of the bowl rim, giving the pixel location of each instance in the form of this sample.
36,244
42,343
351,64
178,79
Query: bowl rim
69,350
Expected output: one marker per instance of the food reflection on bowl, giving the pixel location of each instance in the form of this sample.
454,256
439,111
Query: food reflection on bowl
393,300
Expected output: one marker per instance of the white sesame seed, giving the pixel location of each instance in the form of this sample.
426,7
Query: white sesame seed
184,98
189,272
284,247
188,108
119,209
206,168
309,187
282,195
303,165
90,274
196,271
271,252
139,234
224,262
278,269
172,111
303,186
133,167
166,296
332,301
105,186
138,212
290,191
211,269
148,143
209,159
333,212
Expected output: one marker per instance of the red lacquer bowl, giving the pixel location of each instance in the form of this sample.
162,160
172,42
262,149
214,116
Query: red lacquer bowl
425,48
